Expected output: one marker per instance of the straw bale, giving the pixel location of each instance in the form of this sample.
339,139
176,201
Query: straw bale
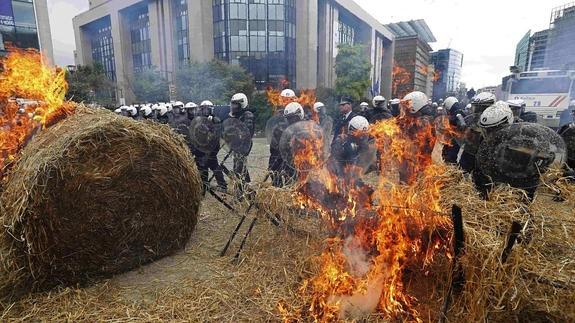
95,195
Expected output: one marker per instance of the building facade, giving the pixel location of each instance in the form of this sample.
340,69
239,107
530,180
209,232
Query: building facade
448,64
538,51
25,24
522,52
553,48
412,57
561,48
275,40
531,51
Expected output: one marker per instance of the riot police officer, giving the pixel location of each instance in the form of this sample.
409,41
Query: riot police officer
472,137
414,122
519,113
209,158
239,109
380,111
352,154
282,173
515,153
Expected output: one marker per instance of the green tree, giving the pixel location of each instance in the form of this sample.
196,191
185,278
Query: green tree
215,81
262,109
329,98
150,85
91,85
353,69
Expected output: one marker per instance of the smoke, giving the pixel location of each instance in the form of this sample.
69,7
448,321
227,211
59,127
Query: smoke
359,265
360,304
357,257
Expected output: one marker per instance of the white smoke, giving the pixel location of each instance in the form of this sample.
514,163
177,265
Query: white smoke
361,304
359,264
357,258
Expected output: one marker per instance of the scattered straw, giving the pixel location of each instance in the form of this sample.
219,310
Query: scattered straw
535,284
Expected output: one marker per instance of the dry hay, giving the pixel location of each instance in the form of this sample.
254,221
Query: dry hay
536,282
197,285
95,195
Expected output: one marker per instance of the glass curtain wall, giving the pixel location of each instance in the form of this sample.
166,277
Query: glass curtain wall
258,35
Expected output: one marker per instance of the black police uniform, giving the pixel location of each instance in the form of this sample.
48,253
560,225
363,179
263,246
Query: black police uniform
240,160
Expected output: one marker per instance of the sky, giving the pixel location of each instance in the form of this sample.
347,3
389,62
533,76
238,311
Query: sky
485,31
61,13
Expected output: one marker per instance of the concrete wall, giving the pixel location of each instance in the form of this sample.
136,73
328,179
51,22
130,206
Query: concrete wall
306,43
44,33
387,68
378,42
95,3
414,55
201,30
328,15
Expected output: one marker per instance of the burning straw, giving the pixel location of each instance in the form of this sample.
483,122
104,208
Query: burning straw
394,259
534,283
93,195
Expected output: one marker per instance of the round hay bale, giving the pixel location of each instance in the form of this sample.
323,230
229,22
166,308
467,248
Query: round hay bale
96,195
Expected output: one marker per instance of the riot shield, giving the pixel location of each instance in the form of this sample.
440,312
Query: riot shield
237,136
204,134
272,124
302,146
520,151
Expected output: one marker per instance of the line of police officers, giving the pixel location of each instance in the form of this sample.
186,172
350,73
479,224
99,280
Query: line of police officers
183,117
498,142
484,123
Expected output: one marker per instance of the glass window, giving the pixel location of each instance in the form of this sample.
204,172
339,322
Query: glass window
24,15
542,85
139,25
258,35
100,35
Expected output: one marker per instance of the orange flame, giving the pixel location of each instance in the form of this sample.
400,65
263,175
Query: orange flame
25,76
362,270
307,98
424,70
445,131
401,79
436,75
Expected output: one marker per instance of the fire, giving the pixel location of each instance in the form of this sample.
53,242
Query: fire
424,70
306,98
445,131
436,75
24,75
401,78
401,227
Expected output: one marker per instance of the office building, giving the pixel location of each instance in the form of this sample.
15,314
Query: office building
531,51
25,24
448,64
550,49
561,48
275,40
538,51
412,56
522,52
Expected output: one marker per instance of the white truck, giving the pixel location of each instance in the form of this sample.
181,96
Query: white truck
547,93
